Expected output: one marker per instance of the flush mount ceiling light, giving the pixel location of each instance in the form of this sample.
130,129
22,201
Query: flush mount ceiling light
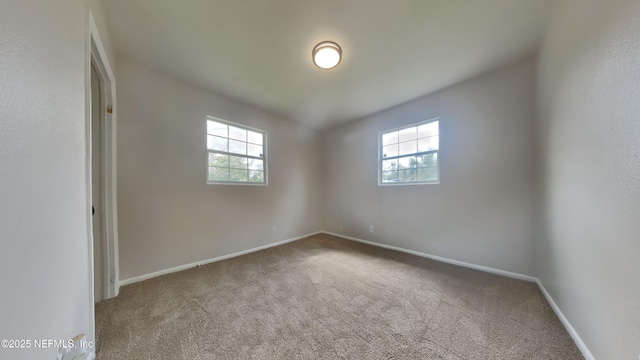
327,55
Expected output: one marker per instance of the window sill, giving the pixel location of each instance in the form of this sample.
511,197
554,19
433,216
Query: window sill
236,183
436,182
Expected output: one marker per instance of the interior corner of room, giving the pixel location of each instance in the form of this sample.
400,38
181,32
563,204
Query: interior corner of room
285,179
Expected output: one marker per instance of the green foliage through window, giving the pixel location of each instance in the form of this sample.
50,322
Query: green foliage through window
410,154
236,154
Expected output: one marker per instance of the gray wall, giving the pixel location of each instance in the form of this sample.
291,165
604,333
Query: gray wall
168,215
589,138
44,256
482,210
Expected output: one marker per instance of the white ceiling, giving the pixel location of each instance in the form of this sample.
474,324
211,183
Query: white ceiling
259,51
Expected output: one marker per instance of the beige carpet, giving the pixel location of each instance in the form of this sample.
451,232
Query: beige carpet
328,298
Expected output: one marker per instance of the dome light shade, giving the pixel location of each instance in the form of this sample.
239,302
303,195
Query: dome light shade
327,55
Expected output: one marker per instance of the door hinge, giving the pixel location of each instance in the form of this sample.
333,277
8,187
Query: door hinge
109,109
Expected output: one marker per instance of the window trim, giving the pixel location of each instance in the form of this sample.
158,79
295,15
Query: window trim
380,158
265,154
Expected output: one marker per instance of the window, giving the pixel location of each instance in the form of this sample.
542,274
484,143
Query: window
409,155
236,154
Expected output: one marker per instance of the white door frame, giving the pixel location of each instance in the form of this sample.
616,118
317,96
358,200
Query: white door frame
96,53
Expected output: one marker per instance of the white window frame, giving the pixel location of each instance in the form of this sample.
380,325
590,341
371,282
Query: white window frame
381,158
264,158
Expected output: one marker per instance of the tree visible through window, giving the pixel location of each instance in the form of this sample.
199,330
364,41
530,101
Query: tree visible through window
410,154
236,153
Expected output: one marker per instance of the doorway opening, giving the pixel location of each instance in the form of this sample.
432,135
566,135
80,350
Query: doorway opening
100,278
101,170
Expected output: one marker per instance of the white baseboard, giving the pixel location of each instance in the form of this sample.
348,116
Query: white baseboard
567,325
441,259
570,329
209,261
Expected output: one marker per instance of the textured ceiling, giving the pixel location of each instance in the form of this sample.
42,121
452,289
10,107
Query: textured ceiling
259,51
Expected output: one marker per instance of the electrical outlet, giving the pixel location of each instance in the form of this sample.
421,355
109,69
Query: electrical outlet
341,228
371,229
275,229
79,349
